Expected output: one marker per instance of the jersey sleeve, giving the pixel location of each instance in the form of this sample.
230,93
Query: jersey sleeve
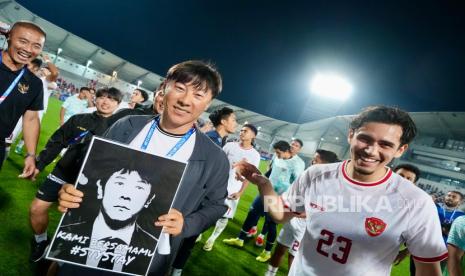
66,103
294,197
424,236
227,148
457,233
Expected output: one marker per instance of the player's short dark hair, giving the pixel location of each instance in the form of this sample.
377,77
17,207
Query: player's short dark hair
410,168
107,167
84,88
202,75
327,156
282,146
252,128
220,114
36,62
112,93
458,193
387,115
27,25
143,93
298,141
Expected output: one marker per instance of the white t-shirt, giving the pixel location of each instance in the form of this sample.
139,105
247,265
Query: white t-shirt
235,153
356,228
160,144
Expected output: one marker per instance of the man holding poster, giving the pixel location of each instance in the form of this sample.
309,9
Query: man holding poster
199,202
113,229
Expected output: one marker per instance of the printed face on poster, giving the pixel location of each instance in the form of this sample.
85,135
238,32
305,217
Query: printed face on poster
125,190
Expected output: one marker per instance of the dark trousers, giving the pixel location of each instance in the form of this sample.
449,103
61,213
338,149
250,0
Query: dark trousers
412,267
2,152
184,252
256,211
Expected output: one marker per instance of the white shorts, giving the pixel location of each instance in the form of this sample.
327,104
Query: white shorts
291,234
232,207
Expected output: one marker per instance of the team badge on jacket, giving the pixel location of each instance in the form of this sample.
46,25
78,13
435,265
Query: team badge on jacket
374,226
23,88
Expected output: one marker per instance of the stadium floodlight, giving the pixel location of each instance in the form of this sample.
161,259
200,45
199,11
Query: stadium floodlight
59,50
331,86
89,62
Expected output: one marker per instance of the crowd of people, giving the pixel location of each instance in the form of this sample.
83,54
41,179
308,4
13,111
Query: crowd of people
349,217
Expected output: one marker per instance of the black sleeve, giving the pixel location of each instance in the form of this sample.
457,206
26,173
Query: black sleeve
58,141
213,206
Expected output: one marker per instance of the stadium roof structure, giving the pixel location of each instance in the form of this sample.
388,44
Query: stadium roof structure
79,50
333,131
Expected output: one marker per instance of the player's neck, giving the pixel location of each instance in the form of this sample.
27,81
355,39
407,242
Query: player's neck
10,63
221,131
449,208
367,178
173,128
245,144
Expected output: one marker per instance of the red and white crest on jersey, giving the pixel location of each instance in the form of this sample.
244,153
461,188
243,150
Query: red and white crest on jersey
374,226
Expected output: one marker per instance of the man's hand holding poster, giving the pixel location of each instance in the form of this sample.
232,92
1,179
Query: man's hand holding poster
125,191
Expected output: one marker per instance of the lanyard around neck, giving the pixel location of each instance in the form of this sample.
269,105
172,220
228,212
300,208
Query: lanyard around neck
175,148
450,217
12,84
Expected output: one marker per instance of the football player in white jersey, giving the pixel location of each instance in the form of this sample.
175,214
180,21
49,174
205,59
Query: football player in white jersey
358,212
292,232
236,151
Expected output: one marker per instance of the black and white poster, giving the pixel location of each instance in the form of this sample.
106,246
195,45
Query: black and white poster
125,191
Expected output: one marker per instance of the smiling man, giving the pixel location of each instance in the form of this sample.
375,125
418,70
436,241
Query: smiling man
359,212
21,92
189,89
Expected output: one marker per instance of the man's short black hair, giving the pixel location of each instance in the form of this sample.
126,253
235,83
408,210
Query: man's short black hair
220,114
107,166
27,25
387,115
282,146
252,128
143,93
458,193
36,62
112,93
410,168
202,75
298,141
84,88
327,156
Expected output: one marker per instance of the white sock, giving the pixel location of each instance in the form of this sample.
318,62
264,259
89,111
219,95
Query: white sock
219,228
271,271
41,237
20,144
7,152
176,272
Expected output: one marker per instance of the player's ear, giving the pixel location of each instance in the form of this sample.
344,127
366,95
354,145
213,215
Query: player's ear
149,201
401,150
99,190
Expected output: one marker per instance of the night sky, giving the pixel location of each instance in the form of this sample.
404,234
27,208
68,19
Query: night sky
411,55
